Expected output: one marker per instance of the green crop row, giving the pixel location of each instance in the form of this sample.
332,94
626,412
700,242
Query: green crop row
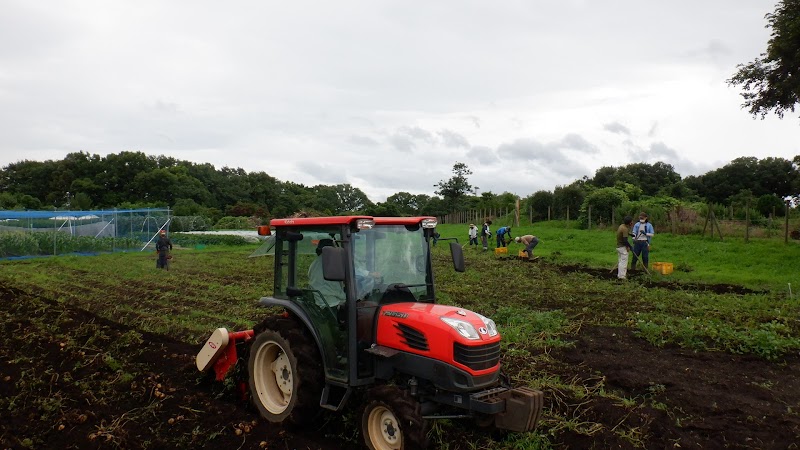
38,244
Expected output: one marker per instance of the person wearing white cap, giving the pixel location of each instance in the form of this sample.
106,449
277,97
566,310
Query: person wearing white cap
473,234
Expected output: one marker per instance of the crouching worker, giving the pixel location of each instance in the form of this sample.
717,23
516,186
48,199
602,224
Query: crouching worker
529,241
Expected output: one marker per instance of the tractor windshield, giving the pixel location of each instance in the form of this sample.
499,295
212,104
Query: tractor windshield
397,258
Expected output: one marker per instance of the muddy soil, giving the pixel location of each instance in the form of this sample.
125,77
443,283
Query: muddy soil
688,399
70,379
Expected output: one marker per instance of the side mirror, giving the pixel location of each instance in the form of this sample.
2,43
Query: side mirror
333,263
457,252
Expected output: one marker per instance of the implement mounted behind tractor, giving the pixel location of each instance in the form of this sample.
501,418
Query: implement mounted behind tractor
360,316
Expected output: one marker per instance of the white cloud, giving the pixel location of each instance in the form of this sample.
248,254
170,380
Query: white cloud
452,139
617,128
481,156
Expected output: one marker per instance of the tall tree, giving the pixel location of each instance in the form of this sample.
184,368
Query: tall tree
771,81
405,203
602,201
568,198
540,202
776,176
649,177
351,199
605,176
457,187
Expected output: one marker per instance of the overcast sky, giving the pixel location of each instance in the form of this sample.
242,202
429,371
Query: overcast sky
388,95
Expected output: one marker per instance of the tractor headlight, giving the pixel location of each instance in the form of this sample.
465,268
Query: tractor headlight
490,326
365,224
429,223
464,328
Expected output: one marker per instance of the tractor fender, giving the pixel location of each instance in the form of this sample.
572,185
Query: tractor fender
299,313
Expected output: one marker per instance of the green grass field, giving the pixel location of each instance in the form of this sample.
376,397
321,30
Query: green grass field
758,264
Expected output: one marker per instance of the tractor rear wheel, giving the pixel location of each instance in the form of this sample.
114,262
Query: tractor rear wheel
391,420
285,376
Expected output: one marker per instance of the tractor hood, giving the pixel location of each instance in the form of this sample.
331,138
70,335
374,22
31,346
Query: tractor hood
453,335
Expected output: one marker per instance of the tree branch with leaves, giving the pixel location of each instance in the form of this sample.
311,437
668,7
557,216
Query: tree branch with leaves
772,81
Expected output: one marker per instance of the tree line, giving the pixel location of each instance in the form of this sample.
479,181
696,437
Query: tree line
82,181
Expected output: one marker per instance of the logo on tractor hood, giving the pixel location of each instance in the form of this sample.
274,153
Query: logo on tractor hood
482,330
399,315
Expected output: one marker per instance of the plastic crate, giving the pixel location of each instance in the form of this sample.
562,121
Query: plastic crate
522,254
501,251
664,268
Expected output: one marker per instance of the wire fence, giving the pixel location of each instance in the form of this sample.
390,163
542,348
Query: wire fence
676,220
37,233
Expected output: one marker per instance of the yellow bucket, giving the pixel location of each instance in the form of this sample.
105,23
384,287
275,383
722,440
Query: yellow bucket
664,268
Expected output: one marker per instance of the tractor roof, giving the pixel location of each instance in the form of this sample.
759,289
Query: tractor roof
341,220
311,221
400,220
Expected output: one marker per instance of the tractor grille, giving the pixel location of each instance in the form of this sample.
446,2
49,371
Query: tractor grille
413,338
477,357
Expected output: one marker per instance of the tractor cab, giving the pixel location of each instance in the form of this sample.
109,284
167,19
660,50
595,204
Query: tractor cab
336,272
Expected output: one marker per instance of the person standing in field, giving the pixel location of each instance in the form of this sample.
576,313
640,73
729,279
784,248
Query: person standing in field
642,235
163,247
501,236
529,241
473,234
623,247
486,233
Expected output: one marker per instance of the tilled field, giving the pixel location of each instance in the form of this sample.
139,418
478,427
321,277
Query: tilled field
72,379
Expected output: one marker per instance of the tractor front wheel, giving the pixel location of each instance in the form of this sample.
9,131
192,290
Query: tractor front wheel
284,376
391,420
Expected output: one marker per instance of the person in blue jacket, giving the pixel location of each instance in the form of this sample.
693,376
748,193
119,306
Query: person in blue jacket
642,236
502,232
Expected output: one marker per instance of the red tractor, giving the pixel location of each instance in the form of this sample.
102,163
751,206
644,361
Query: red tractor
360,316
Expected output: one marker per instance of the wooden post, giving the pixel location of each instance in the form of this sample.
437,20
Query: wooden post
567,215
590,216
548,214
673,222
708,216
786,226
714,221
747,221
769,226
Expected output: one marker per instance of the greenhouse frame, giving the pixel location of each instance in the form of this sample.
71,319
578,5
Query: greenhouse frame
38,233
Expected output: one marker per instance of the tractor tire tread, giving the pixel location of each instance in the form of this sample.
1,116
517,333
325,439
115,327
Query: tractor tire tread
406,409
310,378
